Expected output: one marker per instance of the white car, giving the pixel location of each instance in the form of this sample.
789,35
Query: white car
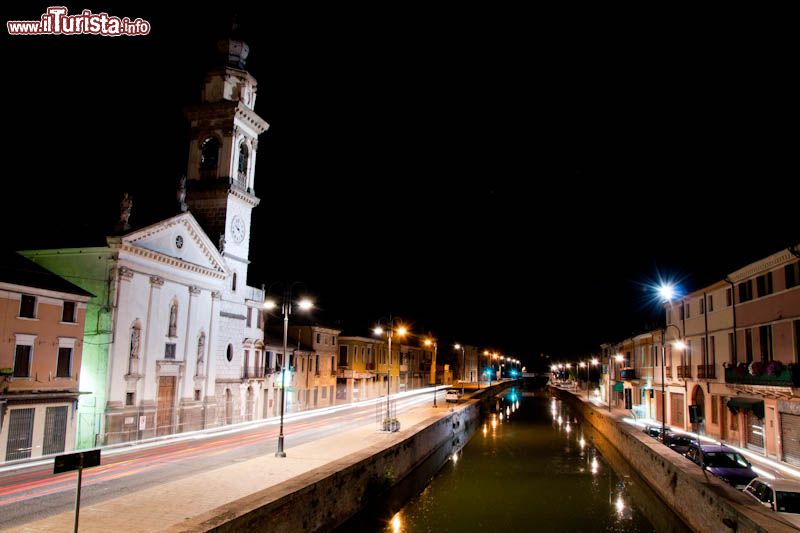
780,495
452,395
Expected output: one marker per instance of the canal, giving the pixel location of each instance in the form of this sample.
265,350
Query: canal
531,466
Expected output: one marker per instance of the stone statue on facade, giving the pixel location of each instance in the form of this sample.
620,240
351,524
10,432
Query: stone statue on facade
182,194
125,207
135,339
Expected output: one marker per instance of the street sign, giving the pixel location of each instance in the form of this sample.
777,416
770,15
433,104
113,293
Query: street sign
77,461
74,461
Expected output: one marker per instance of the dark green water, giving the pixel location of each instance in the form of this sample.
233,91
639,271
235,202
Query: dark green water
535,468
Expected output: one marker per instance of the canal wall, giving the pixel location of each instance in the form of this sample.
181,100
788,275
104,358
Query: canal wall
700,499
324,498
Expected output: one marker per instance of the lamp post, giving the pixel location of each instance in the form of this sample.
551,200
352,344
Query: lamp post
489,361
457,346
286,309
429,342
618,358
588,366
667,292
401,332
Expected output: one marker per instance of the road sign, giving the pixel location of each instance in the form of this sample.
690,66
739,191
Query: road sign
74,461
77,461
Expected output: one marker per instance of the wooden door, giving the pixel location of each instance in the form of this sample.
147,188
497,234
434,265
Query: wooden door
166,401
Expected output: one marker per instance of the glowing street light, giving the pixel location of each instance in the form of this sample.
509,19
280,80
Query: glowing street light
286,309
431,342
667,293
457,346
401,331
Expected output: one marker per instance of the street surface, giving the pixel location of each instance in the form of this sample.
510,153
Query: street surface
32,492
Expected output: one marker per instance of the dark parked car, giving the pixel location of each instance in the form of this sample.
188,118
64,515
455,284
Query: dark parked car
653,431
725,463
679,443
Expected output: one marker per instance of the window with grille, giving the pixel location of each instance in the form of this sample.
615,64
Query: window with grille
169,350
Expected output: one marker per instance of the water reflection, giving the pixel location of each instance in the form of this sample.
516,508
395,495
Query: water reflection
542,469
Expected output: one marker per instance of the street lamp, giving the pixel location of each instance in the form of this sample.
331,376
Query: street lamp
618,358
489,361
588,365
457,346
666,292
286,309
429,342
402,331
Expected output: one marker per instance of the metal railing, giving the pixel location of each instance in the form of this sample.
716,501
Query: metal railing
706,372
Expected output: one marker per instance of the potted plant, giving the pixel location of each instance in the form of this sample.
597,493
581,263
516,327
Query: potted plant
740,369
756,367
774,368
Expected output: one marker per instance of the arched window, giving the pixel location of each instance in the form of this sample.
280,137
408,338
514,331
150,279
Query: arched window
229,353
173,320
209,154
243,155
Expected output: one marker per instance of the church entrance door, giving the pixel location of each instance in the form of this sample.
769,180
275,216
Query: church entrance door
166,402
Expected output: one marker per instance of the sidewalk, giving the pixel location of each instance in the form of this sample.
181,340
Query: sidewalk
762,466
158,508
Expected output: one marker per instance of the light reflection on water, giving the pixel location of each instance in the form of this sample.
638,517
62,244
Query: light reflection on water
537,469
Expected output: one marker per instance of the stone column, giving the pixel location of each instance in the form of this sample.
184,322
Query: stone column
147,369
209,394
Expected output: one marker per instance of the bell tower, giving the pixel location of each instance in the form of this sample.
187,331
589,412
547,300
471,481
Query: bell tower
222,153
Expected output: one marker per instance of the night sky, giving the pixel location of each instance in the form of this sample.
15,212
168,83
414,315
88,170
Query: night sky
507,179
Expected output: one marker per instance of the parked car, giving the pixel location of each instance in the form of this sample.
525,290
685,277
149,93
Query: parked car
678,442
452,395
724,462
653,431
780,495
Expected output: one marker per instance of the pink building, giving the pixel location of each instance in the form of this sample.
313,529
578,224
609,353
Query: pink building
41,336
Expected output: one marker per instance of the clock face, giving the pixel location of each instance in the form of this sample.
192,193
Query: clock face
237,229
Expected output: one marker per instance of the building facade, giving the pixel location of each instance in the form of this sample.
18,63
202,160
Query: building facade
171,323
731,361
42,318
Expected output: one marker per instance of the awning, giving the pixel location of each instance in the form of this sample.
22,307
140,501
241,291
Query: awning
747,404
619,387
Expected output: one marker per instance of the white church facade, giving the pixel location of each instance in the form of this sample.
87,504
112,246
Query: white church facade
174,335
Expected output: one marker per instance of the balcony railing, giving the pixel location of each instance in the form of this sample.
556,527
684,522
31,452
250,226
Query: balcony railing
627,373
706,372
684,371
788,377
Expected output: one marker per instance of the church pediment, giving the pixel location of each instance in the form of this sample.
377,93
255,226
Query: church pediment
180,238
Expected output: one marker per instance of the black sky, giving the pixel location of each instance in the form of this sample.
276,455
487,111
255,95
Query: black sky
504,178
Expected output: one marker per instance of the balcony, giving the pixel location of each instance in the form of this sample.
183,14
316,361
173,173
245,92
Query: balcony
788,377
706,372
684,372
627,374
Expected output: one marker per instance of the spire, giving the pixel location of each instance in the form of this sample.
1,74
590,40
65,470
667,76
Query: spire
233,50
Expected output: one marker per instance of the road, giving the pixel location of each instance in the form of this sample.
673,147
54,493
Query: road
34,492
